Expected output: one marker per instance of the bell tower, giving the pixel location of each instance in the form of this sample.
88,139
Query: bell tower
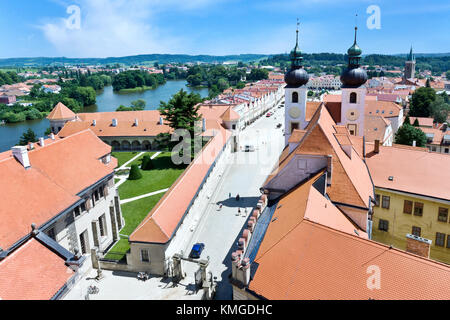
295,93
354,91
410,66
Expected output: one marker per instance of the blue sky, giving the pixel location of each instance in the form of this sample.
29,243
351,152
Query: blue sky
218,27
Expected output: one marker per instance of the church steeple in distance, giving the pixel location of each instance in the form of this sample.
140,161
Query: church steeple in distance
297,76
353,75
411,56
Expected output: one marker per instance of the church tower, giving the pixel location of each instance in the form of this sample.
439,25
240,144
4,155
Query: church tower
354,91
296,93
410,66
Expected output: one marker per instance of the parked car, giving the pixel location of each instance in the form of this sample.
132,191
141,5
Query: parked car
197,250
279,126
268,115
249,148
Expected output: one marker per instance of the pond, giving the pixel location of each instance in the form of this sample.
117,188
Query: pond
107,100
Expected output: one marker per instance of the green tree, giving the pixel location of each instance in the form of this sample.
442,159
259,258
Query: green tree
421,102
181,111
138,105
135,173
27,137
123,108
440,110
258,74
406,134
147,163
416,123
407,120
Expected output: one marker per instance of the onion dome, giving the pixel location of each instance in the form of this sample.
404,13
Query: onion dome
297,76
353,75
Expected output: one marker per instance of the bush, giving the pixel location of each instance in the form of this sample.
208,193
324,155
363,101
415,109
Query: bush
135,173
147,163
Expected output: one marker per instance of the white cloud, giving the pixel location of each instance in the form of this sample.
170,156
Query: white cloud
115,28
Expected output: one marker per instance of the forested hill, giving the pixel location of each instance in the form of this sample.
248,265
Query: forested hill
436,62
129,60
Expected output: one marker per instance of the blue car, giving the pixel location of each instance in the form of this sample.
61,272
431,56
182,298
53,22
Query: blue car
197,250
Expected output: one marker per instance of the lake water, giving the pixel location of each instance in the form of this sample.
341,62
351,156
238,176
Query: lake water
107,100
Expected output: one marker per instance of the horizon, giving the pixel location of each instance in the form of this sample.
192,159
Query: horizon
83,29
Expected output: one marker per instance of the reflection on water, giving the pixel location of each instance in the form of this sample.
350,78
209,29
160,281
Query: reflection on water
107,100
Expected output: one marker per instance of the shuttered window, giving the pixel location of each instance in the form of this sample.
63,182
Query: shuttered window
418,209
407,206
443,214
440,239
386,202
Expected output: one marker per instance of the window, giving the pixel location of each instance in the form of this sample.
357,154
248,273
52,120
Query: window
51,233
443,214
386,202
144,256
377,198
353,97
416,231
101,192
83,242
294,97
80,209
383,225
294,126
448,241
102,225
446,150
418,209
440,239
407,207
353,129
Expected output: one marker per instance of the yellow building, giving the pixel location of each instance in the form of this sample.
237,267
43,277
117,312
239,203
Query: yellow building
412,188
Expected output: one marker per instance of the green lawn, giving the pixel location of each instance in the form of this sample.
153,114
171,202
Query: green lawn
123,157
162,177
133,213
138,161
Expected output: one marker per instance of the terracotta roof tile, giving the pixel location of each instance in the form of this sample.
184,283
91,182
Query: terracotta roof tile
315,262
61,112
59,171
419,172
32,272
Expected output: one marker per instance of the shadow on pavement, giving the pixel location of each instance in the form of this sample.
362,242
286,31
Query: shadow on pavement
244,202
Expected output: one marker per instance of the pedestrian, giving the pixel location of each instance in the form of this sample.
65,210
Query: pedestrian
229,195
239,210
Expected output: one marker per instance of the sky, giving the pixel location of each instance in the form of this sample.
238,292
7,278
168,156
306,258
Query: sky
112,28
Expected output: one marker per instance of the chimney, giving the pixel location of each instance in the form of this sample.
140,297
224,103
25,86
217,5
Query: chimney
94,123
31,146
418,245
41,142
377,147
21,154
52,136
203,125
136,122
414,143
161,121
114,122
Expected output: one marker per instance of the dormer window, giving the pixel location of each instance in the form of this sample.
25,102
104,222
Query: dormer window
353,97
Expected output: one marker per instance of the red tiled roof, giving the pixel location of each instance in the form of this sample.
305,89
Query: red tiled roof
162,221
314,262
61,112
32,272
59,171
419,172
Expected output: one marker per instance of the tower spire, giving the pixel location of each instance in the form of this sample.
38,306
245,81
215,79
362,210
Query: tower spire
356,27
298,25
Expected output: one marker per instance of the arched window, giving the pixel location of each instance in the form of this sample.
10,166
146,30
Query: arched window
294,97
353,97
